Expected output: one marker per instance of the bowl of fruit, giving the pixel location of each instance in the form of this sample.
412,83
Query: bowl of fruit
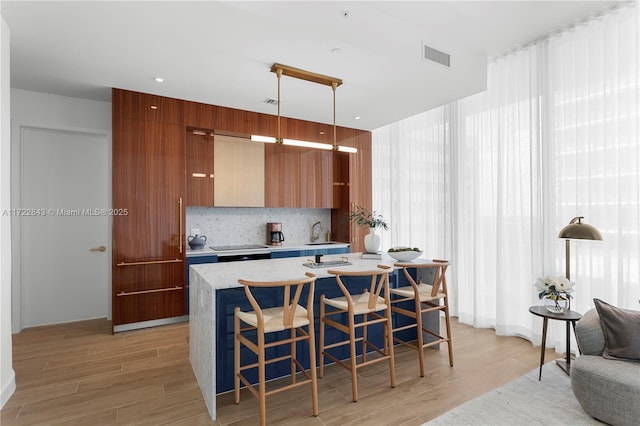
404,254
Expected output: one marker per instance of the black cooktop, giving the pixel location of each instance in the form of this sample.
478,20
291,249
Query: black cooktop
239,247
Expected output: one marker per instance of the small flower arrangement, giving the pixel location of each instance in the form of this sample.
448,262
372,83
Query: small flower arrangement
556,289
364,217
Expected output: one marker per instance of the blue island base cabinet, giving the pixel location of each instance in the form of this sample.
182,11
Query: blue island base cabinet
228,299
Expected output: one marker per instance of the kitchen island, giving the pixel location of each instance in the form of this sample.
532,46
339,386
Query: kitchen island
215,292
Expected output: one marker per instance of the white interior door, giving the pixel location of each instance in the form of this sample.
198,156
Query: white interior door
65,223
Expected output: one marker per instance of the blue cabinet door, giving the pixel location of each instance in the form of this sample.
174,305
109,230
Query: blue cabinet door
285,253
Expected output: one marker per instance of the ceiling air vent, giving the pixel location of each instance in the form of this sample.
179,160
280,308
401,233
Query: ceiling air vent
434,55
271,101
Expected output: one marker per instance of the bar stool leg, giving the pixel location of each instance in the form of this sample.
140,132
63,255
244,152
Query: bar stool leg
448,324
262,388
294,356
419,335
364,338
321,338
236,357
312,369
352,348
389,339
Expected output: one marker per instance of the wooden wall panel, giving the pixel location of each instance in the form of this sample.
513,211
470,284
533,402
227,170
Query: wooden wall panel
307,131
200,116
146,107
282,176
235,121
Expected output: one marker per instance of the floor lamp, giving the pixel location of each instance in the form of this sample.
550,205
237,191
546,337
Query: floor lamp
575,230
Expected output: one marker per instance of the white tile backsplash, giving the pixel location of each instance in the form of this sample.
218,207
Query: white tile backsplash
232,226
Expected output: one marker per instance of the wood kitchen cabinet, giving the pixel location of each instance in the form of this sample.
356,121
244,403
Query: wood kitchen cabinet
352,174
298,177
238,165
200,174
148,282
224,171
282,175
316,178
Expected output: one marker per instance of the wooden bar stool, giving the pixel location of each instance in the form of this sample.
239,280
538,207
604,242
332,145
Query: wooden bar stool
290,316
374,307
426,298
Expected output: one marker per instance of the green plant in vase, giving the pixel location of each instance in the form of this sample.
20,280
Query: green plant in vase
364,217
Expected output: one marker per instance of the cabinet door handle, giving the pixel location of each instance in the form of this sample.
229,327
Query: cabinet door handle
150,262
101,248
157,290
180,224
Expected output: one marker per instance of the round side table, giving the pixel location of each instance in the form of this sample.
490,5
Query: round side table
569,317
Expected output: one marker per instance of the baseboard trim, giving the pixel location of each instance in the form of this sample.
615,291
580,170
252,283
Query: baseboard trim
8,389
151,323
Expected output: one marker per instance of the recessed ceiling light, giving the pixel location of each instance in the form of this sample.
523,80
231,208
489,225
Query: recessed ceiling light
336,50
356,117
159,79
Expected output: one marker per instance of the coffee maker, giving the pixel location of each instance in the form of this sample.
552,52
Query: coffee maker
275,237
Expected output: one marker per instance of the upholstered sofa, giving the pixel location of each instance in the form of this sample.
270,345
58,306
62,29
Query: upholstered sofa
608,389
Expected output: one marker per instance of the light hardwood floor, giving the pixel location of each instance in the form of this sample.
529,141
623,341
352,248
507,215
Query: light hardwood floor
80,374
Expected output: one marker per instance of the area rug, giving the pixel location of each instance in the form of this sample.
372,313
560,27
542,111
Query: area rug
524,401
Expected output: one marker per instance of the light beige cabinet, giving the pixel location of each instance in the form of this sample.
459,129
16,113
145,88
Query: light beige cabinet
238,170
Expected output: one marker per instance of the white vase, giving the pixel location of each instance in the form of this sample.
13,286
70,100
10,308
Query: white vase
372,241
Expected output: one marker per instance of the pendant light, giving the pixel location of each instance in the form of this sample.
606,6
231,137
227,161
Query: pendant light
280,70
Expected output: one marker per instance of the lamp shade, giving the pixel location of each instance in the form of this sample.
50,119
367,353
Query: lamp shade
577,230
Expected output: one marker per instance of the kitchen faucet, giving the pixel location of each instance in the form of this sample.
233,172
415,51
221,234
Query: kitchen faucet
315,234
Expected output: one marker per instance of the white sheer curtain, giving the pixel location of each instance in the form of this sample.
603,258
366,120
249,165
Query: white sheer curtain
490,180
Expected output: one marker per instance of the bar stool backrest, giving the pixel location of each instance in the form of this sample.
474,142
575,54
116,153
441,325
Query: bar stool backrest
379,283
292,293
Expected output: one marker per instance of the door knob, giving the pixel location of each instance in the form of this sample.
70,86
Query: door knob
101,248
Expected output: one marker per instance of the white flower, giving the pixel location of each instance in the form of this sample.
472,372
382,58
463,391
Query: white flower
554,288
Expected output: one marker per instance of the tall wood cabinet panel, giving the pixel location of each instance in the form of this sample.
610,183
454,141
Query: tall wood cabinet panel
149,181
358,184
200,173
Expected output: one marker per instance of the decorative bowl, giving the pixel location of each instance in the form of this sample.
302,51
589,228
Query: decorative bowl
405,255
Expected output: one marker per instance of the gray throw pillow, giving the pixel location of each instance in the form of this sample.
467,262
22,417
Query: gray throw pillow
621,328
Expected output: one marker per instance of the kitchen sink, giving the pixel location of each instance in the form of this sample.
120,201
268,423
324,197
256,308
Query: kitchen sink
327,264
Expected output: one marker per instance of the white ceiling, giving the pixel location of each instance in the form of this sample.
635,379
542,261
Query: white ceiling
221,52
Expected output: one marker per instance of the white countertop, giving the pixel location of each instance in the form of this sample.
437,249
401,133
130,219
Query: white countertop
226,275
207,251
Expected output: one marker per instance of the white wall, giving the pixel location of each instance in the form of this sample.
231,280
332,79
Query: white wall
7,375
34,109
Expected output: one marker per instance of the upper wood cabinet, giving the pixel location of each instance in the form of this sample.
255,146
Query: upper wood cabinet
298,177
145,107
238,165
200,116
282,175
316,178
200,172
